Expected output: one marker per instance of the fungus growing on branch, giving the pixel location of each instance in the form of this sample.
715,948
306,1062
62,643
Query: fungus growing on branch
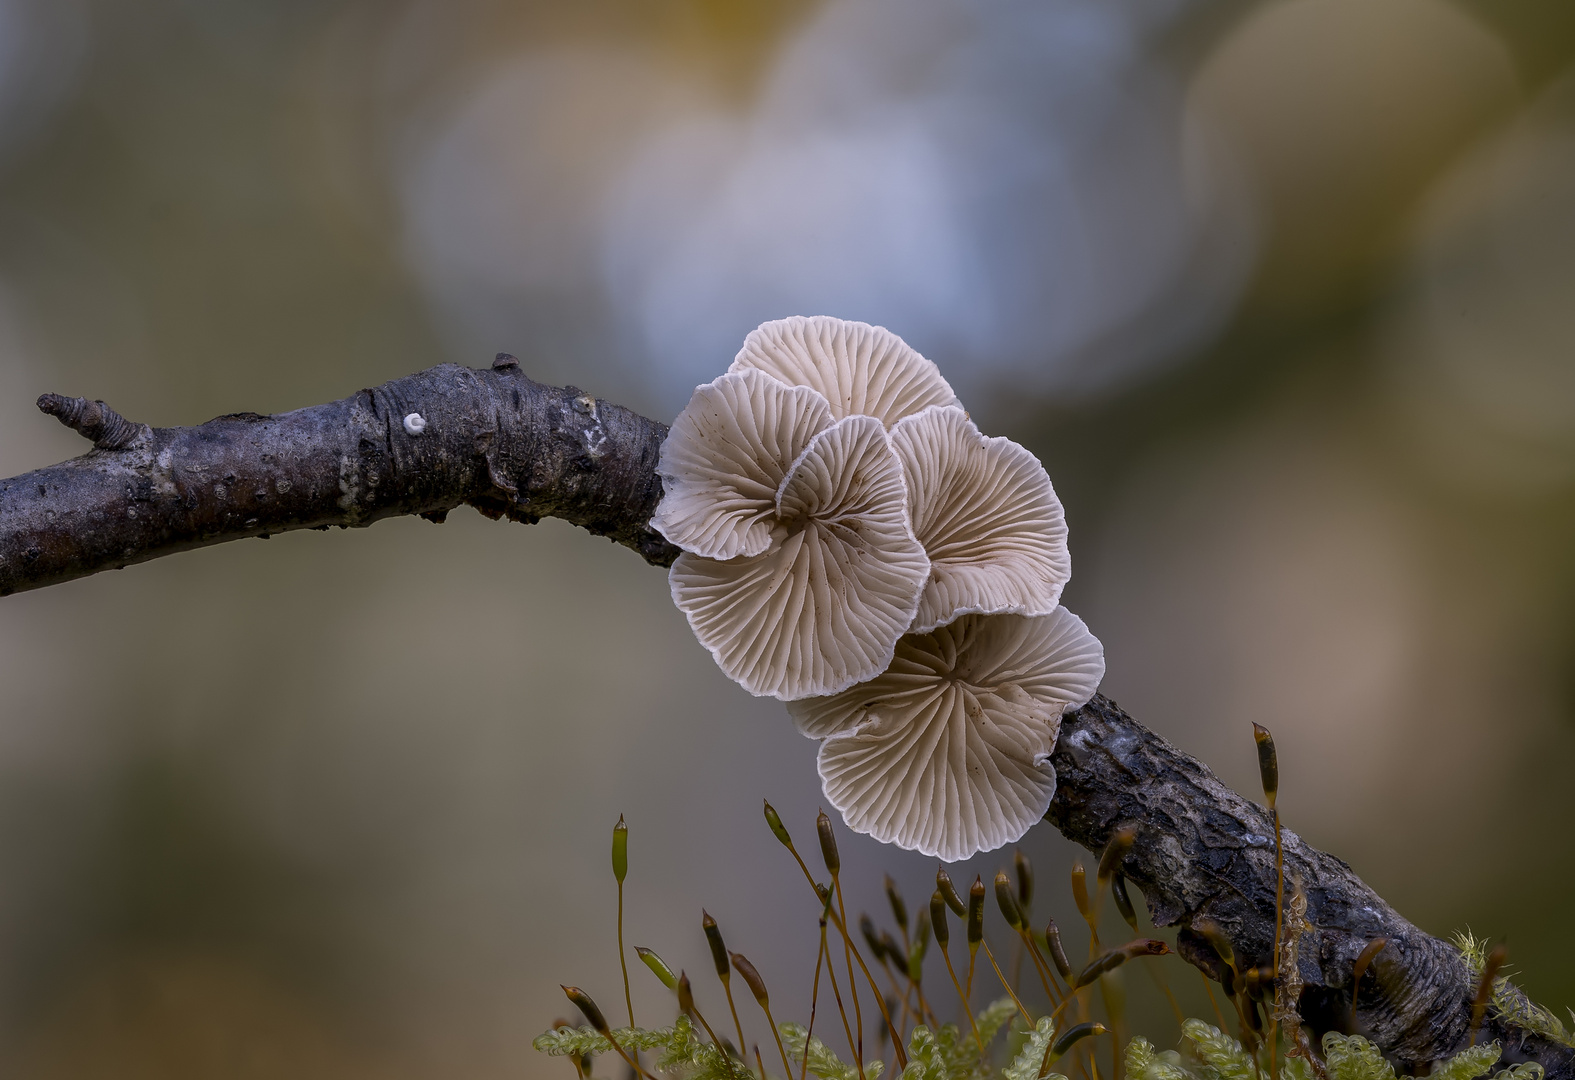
861,370
823,606
948,751
725,460
988,518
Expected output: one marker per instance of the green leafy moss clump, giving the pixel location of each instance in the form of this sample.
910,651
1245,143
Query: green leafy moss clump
1509,1002
1008,1039
950,1054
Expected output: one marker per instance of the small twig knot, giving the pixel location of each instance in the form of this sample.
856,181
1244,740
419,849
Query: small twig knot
92,420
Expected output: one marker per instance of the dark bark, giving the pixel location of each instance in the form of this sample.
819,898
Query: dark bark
493,439
512,447
1204,852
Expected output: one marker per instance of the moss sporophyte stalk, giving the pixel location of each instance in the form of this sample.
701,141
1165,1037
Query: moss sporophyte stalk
1005,1037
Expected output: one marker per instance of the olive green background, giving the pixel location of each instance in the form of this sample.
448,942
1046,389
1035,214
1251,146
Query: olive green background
338,804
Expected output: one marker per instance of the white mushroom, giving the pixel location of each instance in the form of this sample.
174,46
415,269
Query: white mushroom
822,608
726,458
862,370
988,518
948,751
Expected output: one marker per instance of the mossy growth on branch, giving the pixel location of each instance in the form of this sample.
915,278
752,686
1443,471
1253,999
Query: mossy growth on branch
1007,1039
1508,1002
951,1054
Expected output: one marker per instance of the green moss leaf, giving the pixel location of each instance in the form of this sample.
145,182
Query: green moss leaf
822,1062
1031,1058
1354,1058
1469,1064
993,1017
1219,1051
1143,1062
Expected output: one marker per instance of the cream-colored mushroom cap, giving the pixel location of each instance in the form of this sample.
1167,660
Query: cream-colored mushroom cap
988,518
948,751
861,370
822,608
725,459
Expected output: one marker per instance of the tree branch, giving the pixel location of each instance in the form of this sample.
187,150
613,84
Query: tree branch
493,439
1204,852
511,447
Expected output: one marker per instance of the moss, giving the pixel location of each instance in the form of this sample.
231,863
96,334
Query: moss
1509,1002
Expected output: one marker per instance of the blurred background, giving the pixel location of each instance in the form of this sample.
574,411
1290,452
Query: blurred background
1283,293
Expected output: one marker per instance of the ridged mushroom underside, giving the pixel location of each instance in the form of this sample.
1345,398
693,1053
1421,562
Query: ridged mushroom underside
988,517
861,370
823,607
725,459
947,752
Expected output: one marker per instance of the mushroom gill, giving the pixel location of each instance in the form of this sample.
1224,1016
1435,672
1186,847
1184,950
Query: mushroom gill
823,606
948,751
861,370
988,517
725,459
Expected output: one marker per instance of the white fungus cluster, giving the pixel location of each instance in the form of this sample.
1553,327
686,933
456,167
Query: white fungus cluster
854,546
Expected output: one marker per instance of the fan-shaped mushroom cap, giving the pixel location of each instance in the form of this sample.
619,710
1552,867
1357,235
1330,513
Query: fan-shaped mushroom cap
988,518
862,370
823,607
725,459
948,751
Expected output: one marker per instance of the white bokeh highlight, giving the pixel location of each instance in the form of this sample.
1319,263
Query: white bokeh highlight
1019,190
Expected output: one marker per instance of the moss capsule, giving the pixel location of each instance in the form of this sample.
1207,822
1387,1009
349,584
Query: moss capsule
583,1002
828,844
1007,901
899,910
658,967
713,937
943,882
976,913
1268,763
778,830
620,850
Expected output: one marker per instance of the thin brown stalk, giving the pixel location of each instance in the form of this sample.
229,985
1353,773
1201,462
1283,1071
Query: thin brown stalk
967,1008
925,1012
1115,1012
633,1064
902,1057
787,1070
814,995
1279,931
1027,1016
1164,986
853,987
727,987
847,1029
1490,969
716,1042
623,961
1040,965
896,990
1208,988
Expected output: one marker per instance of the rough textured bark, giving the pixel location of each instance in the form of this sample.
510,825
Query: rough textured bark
1204,852
491,438
512,447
